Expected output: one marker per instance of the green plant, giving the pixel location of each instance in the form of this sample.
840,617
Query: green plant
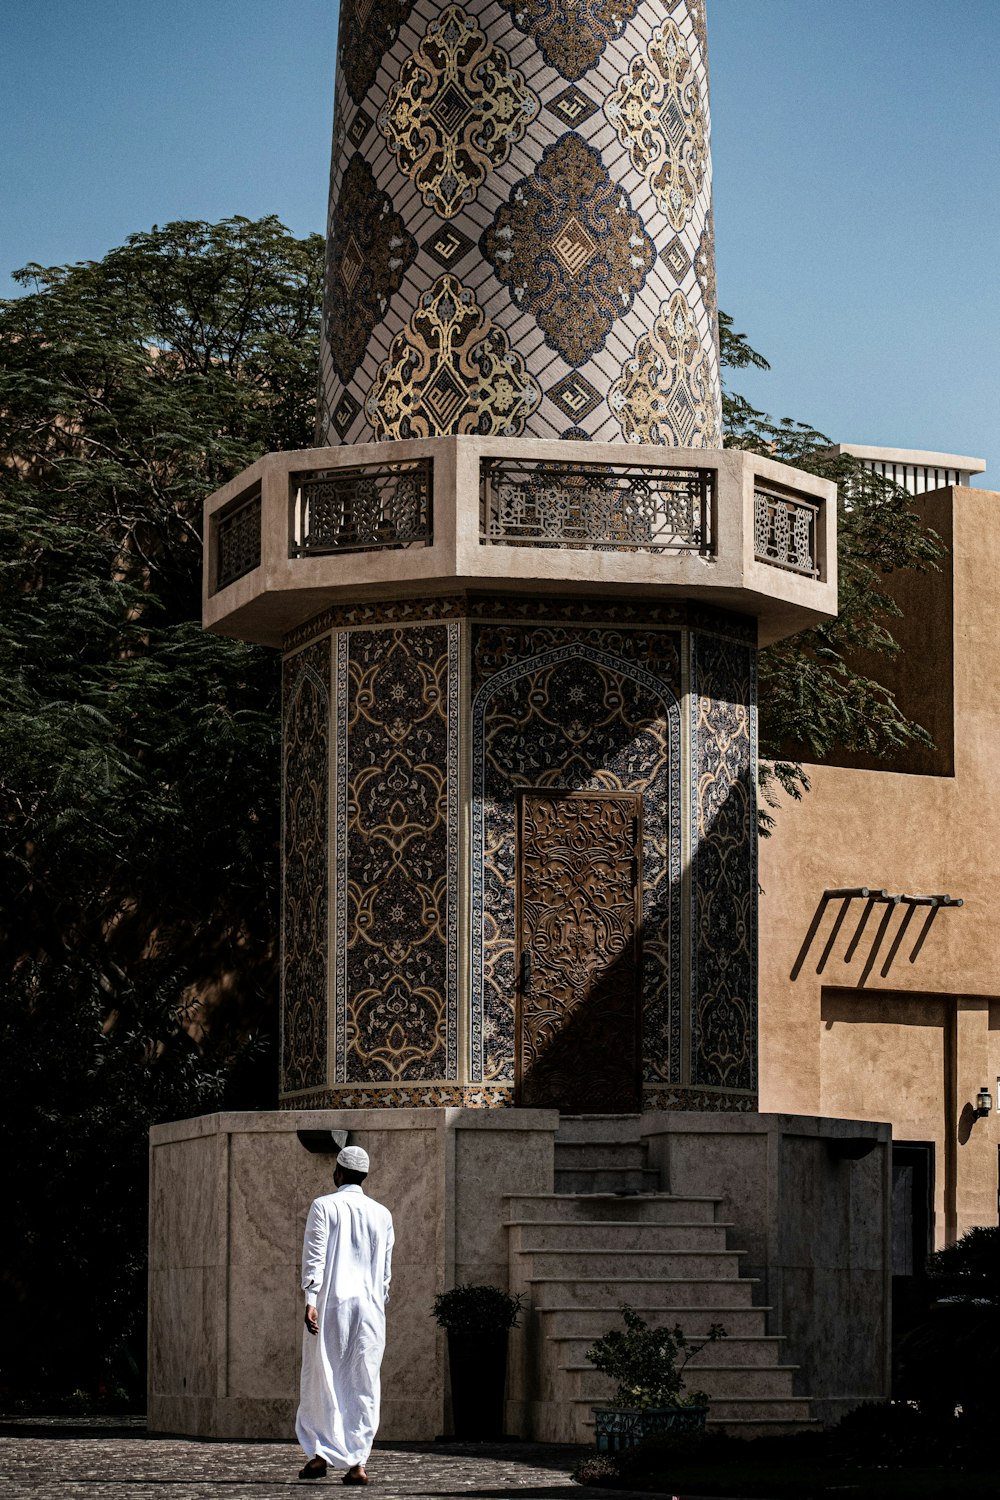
597,1468
969,1269
477,1309
648,1363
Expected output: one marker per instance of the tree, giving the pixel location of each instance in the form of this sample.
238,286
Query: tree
814,699
138,755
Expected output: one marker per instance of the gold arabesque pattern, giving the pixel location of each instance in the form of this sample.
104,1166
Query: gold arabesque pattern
656,110
665,391
451,371
455,111
536,153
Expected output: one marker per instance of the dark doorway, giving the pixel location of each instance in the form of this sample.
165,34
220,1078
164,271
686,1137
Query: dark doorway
912,1242
912,1206
578,936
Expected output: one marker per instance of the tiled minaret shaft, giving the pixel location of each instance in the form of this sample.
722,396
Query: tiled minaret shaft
520,239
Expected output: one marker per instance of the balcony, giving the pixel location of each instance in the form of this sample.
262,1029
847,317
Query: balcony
301,531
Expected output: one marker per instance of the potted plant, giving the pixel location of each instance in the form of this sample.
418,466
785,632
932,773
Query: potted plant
648,1366
478,1320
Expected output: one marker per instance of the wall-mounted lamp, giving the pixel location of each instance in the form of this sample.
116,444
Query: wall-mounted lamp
984,1102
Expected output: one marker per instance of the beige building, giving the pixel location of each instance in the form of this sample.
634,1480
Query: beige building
886,1005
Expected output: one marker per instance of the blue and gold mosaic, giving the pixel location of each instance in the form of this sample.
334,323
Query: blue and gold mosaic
563,143
397,858
599,696
305,890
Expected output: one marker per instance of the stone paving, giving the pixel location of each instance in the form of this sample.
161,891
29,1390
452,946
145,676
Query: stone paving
114,1459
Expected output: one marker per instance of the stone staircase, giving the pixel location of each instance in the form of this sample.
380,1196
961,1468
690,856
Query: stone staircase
607,1236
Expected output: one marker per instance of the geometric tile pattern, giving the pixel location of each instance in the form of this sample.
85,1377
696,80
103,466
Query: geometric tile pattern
588,695
572,106
450,370
463,113
396,988
577,269
574,396
447,246
305,844
455,111
723,864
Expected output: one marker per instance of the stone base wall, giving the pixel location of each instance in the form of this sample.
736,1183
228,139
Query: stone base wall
228,1201
229,1195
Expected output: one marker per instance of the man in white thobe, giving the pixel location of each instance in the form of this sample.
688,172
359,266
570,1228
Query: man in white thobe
346,1268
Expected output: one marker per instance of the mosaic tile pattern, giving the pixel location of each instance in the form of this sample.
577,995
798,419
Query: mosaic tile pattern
451,370
665,390
455,111
723,864
573,694
397,865
581,275
656,111
433,1096
570,42
366,261
567,142
583,709
305,842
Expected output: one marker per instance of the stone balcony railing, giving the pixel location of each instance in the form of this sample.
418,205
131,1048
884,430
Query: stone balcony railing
300,531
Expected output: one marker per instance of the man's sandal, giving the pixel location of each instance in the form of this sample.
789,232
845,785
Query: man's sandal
314,1469
356,1475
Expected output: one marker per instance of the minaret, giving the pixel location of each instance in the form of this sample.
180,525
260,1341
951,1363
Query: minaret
518,585
520,233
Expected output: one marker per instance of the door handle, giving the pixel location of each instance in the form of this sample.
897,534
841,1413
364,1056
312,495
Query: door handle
525,970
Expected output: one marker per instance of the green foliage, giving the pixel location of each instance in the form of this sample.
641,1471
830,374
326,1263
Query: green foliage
970,1268
648,1364
949,1358
477,1309
139,766
814,698
881,1450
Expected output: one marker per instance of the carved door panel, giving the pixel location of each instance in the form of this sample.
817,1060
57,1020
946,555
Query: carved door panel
579,910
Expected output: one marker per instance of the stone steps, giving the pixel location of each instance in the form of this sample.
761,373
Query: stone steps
589,1323
640,1292
752,1351
593,1208
606,1179
616,1235
606,1237
576,1128
655,1265
600,1155
720,1381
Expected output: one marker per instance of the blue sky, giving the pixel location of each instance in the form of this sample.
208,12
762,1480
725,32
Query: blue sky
856,184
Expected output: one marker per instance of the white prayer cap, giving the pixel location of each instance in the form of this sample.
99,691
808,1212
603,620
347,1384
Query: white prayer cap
353,1159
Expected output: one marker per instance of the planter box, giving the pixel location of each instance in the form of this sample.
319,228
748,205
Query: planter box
478,1365
618,1427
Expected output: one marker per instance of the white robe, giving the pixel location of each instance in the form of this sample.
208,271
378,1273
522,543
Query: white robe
346,1267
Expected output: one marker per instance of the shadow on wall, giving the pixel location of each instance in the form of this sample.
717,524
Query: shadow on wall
596,1025
871,935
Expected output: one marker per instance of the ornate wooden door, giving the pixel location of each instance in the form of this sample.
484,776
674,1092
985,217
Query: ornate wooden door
579,911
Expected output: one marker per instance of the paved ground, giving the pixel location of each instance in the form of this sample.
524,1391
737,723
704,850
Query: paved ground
113,1459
